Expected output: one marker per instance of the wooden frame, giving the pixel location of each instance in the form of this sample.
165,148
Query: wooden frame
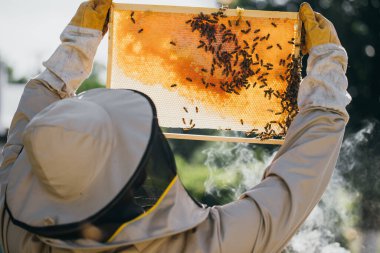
197,10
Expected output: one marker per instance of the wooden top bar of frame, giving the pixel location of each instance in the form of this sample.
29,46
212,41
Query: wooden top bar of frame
197,10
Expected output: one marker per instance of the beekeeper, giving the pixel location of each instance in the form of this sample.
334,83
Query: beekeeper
93,173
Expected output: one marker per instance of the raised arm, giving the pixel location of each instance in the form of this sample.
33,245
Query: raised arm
266,217
66,69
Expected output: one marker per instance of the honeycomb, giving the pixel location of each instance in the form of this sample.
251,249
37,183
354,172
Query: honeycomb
209,68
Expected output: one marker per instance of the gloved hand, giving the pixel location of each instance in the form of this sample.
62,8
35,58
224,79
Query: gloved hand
93,14
319,30
72,62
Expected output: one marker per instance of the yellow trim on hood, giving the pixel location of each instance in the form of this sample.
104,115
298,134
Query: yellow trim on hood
147,212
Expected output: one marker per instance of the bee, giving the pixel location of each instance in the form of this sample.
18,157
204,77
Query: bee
191,122
247,22
133,20
204,70
141,30
188,21
189,79
274,24
269,47
196,109
241,121
184,121
268,35
132,13
246,31
185,109
223,27
279,46
256,31
263,38
229,23
173,85
262,86
173,43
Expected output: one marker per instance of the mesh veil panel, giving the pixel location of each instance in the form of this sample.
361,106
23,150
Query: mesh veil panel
159,172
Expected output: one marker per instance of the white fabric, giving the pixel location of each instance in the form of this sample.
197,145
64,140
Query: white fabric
325,84
72,61
55,82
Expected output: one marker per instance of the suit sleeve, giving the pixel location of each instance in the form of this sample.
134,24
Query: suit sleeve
268,215
65,70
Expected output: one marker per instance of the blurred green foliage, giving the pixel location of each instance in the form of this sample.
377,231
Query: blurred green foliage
194,175
93,81
12,79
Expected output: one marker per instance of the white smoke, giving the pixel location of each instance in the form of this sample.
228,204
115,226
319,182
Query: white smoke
318,234
229,160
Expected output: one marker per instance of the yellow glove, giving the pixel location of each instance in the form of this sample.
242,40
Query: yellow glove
93,14
319,30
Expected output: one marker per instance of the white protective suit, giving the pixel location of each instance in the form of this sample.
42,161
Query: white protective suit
262,220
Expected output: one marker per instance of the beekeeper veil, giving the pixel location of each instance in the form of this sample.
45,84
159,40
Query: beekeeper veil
95,161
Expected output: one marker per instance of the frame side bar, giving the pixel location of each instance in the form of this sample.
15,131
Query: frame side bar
110,47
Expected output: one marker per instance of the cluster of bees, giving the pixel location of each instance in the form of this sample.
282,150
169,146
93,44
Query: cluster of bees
238,60
190,123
